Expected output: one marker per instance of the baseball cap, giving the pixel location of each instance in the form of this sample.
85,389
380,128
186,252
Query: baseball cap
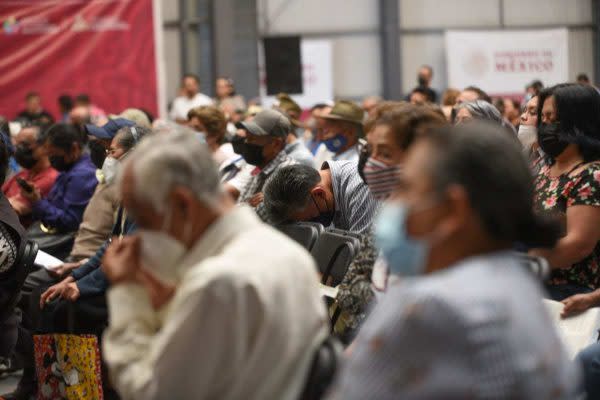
268,123
108,130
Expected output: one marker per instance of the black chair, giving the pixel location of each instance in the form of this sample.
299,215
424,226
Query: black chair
317,225
323,369
333,254
352,235
305,235
10,294
25,265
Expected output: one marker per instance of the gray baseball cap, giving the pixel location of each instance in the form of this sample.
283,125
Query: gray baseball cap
269,123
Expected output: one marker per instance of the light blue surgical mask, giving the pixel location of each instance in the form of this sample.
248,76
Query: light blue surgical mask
404,256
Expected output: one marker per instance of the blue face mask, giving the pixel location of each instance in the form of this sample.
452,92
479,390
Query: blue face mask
405,256
336,143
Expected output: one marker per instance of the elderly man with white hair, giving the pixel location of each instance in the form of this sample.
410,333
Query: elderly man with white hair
206,301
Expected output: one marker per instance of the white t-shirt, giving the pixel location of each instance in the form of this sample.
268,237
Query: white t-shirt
183,104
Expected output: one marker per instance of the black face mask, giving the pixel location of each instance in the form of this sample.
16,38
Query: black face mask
59,163
24,157
422,81
97,153
324,218
364,155
239,145
253,154
550,141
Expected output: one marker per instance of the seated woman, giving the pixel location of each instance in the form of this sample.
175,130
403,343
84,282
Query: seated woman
82,293
466,320
32,157
568,186
11,237
391,131
60,214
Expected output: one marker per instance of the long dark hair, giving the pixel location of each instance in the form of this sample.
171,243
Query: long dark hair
578,115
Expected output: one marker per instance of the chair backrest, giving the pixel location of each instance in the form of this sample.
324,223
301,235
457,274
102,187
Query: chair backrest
317,225
323,369
25,261
333,254
355,237
305,235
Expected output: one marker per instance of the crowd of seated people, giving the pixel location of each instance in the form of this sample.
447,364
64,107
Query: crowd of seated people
173,252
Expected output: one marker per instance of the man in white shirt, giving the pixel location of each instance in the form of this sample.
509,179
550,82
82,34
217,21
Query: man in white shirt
206,301
343,127
191,98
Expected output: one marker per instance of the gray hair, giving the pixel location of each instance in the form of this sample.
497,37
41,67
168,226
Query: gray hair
161,162
129,136
288,190
483,111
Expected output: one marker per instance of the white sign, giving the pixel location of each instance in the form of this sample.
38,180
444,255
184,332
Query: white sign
317,74
504,62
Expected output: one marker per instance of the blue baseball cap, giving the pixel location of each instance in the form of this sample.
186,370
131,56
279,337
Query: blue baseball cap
108,130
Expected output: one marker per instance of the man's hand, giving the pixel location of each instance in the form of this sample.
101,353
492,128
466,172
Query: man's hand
64,269
256,199
577,304
33,196
66,289
121,262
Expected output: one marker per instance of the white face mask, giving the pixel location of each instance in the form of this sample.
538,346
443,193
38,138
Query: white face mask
527,136
110,169
161,253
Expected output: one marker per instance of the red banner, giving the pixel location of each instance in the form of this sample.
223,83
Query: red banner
104,48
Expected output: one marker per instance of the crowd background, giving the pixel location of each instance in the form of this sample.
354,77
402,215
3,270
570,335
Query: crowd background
394,241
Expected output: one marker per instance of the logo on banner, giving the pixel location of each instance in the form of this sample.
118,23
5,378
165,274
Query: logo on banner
10,25
476,64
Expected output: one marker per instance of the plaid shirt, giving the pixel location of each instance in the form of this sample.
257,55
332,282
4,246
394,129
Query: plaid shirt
259,177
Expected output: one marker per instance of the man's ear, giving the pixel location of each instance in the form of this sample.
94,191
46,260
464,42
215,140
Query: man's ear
317,191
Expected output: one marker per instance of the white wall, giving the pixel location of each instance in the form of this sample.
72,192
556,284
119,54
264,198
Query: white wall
352,25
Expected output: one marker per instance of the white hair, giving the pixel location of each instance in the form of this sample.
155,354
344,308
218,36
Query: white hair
161,162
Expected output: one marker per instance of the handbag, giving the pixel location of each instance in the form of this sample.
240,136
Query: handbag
51,241
68,367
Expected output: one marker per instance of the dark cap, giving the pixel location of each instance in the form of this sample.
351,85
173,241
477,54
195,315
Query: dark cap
268,123
108,130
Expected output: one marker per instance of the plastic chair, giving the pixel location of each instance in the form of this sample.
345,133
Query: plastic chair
317,225
333,254
356,237
323,369
305,235
25,261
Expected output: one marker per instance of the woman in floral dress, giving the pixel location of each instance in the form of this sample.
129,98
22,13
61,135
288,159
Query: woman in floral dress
568,187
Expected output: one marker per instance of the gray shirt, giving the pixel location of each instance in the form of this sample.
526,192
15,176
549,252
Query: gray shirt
477,330
355,207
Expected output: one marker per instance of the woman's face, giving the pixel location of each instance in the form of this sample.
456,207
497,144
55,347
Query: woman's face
384,147
549,114
116,150
463,115
529,116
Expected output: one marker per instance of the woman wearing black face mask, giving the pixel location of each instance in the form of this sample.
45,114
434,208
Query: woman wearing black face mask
568,186
36,171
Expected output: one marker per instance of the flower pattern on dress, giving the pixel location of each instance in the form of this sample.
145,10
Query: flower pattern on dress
554,195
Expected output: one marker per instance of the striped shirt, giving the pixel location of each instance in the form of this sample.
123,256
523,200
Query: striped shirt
259,177
476,330
355,206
